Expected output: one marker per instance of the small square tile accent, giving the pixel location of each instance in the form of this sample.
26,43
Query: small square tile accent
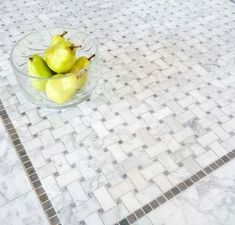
231,155
37,184
21,153
31,171
50,213
175,190
25,158
16,142
219,162
161,199
55,220
139,213
46,205
124,222
208,169
34,177
40,191
214,166
168,195
188,182
131,218
201,174
147,208
43,198
28,164
225,158
154,204
182,186
194,178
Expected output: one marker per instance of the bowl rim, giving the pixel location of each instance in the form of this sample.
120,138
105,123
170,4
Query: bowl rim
52,77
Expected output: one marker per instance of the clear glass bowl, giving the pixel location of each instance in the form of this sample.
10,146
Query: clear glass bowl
36,43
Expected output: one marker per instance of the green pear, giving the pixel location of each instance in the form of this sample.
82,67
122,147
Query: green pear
80,66
38,68
57,38
61,57
62,89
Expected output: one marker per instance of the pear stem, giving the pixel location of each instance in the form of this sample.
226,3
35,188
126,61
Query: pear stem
64,33
75,46
91,57
31,58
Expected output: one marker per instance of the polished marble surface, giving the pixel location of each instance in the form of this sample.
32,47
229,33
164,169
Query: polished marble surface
18,202
13,181
23,210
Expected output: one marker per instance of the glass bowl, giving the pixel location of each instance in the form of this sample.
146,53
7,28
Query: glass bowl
36,43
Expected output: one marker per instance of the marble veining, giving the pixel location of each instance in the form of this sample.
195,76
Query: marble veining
211,201
18,203
23,210
13,181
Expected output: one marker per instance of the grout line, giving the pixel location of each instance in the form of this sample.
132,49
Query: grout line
29,169
177,189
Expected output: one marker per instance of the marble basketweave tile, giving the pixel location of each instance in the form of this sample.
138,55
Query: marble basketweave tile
163,110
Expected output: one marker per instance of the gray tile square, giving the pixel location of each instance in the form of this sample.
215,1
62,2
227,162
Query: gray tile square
182,186
147,208
124,222
139,213
225,158
154,204
175,190
131,218
231,155
219,162
50,213
188,182
43,198
194,178
168,195
201,174
161,199
214,166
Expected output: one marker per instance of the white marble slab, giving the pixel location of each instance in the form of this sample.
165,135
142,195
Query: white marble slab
13,181
209,202
24,210
18,203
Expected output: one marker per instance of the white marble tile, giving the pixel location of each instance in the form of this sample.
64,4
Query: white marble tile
130,201
104,198
93,219
153,170
115,214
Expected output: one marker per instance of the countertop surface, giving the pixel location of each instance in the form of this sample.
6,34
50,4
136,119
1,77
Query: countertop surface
154,144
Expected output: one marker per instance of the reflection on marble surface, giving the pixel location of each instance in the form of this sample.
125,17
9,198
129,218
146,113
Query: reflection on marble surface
210,202
24,210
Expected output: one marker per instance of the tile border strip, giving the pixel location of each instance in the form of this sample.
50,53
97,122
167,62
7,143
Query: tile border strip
29,169
179,188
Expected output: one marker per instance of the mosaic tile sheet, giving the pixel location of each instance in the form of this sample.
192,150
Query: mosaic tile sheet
164,108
